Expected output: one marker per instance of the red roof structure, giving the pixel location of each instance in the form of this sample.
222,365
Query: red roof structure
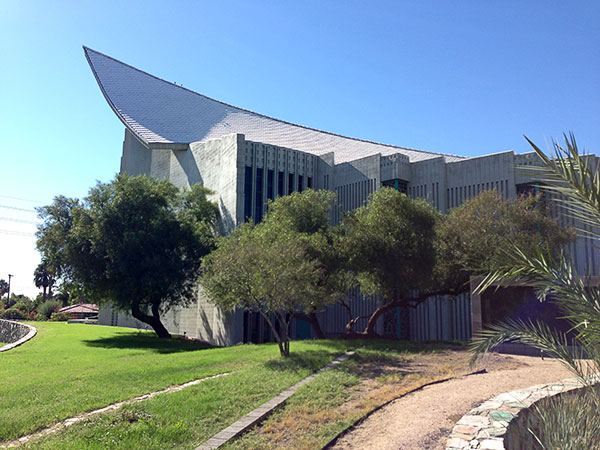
81,310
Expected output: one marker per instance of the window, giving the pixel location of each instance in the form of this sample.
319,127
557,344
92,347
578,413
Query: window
290,183
270,191
258,206
280,178
248,194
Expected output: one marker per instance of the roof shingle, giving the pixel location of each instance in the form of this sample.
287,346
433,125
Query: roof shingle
158,111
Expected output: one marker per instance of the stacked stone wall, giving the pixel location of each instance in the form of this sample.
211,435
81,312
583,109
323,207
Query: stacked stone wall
14,334
503,422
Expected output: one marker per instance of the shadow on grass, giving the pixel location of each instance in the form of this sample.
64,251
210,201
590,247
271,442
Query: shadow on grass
147,341
391,345
379,350
303,359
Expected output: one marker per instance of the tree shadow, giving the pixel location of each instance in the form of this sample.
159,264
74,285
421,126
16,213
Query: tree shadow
303,359
391,345
375,356
146,341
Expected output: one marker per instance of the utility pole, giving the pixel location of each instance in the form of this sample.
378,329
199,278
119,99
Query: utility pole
9,277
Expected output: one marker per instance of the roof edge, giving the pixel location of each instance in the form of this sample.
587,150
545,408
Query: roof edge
108,100
86,49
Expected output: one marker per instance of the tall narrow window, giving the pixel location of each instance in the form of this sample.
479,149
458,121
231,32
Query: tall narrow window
258,206
270,190
248,194
280,179
300,181
309,182
290,183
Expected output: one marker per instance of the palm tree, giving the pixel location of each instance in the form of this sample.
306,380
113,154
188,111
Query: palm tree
3,287
575,179
43,277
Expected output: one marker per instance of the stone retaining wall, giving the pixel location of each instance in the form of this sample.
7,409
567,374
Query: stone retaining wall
14,334
501,422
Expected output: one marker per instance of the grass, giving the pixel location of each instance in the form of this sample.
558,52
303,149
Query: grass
336,399
568,421
69,369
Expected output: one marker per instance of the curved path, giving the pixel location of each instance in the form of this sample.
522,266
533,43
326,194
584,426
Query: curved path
424,419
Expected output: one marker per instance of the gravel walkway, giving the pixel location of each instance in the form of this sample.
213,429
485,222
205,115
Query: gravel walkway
424,419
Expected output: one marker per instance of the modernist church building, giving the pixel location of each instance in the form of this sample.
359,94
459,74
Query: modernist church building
247,158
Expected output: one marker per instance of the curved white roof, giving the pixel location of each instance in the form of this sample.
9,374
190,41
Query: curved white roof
159,112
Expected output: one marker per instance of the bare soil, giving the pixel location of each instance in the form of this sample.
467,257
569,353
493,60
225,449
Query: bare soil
424,418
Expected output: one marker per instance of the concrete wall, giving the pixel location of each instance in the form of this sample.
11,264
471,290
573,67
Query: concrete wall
136,158
217,165
222,164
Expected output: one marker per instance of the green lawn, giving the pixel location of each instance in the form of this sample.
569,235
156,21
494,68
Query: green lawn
69,369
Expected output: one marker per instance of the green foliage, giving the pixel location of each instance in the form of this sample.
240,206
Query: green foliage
406,251
13,314
3,287
473,238
135,242
53,234
22,303
554,278
43,277
389,244
60,317
568,422
47,308
278,267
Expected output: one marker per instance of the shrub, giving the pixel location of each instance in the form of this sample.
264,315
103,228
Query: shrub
46,309
25,306
568,422
13,314
60,316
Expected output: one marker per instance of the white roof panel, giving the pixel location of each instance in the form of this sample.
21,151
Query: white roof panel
158,111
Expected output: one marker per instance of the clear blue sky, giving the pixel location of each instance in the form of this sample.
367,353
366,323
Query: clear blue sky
461,77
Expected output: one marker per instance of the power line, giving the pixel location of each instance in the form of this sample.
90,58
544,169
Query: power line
18,209
23,199
16,233
19,220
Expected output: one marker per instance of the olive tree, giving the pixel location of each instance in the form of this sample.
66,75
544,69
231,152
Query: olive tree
282,268
135,242
406,252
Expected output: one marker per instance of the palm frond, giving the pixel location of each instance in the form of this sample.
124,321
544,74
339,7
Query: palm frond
576,180
538,335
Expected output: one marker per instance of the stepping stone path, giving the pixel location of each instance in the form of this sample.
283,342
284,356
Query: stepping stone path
257,415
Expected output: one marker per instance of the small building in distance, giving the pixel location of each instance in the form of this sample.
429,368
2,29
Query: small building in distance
81,311
247,158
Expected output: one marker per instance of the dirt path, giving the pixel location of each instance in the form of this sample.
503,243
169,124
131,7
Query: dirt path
423,419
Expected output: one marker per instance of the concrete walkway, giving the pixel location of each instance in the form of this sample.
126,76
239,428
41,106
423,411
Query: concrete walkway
257,415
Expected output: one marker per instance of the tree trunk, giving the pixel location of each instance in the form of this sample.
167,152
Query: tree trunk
153,320
314,323
404,304
285,328
278,338
370,329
